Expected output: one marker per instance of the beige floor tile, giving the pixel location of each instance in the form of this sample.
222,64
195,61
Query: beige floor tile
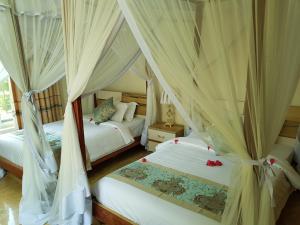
11,187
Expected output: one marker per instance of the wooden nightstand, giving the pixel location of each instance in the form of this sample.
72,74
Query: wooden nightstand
158,133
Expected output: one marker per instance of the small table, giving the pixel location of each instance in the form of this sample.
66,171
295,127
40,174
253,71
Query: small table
158,133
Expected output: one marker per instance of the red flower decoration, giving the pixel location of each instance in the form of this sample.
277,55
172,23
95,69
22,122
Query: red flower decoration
219,163
272,161
210,163
144,160
176,141
213,163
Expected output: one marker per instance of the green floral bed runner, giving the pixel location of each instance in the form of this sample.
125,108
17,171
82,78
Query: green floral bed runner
53,139
191,192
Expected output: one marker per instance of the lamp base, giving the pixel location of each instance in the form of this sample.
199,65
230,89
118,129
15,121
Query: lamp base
169,124
170,120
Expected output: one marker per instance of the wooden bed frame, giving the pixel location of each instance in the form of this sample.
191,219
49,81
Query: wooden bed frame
108,216
11,167
126,97
292,122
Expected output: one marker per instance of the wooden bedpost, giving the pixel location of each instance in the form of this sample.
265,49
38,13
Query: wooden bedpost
77,109
95,100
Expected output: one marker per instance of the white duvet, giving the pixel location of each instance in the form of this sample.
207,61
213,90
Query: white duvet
146,209
189,155
100,139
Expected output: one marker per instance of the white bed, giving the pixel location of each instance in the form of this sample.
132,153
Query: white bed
100,139
189,156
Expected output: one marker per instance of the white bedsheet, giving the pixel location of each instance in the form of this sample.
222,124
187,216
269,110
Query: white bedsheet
100,139
146,209
189,156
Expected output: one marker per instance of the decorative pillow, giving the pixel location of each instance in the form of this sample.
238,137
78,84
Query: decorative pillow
104,111
121,110
129,115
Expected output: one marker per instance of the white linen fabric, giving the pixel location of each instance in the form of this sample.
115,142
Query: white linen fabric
193,48
120,52
2,173
146,209
10,55
87,26
129,115
3,73
124,131
116,135
121,108
141,69
189,156
32,67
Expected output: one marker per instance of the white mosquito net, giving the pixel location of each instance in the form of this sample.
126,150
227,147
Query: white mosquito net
32,53
217,59
225,64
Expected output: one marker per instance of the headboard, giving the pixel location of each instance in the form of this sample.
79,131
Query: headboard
292,122
140,99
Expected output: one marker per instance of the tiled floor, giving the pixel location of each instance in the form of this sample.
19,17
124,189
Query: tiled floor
11,187
10,191
10,195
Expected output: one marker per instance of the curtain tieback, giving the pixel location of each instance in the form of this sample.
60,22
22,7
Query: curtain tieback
266,173
28,96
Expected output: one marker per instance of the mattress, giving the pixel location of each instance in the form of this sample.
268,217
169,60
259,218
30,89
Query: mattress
100,140
283,151
147,209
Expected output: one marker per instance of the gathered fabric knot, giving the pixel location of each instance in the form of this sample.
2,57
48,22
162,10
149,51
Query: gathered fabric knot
28,96
266,172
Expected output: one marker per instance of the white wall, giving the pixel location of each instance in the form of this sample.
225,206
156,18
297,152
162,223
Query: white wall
133,84
128,83
296,99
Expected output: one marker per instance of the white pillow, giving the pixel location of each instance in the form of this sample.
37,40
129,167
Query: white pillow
129,115
121,108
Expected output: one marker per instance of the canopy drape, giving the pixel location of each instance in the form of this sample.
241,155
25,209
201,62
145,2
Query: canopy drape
87,26
142,69
9,45
204,54
32,52
273,76
121,54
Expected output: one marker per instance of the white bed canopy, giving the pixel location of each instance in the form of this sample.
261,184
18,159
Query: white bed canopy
229,66
35,45
211,57
195,59
32,53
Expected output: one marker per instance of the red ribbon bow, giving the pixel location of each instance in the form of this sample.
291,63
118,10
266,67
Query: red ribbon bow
272,161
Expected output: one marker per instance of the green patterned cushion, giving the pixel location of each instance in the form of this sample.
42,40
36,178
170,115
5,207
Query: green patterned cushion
104,111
